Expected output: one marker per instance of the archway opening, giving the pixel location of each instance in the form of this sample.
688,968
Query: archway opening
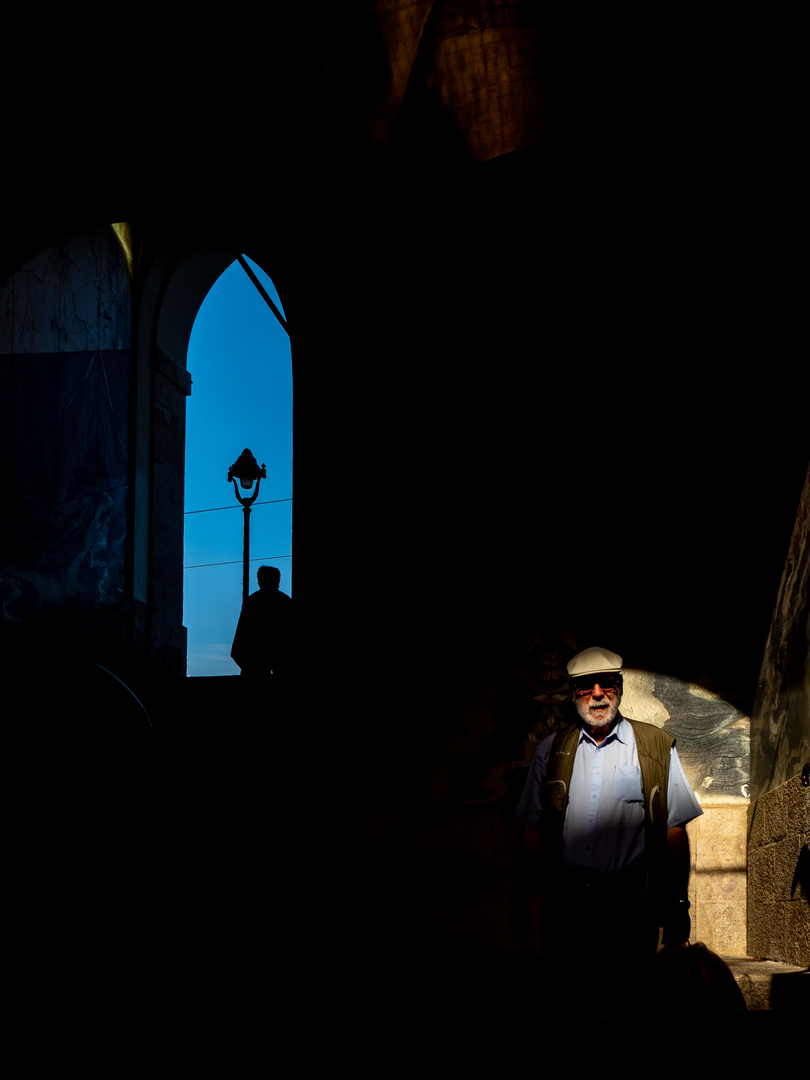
240,365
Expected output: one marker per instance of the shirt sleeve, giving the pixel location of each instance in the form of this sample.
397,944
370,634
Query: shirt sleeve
682,804
529,807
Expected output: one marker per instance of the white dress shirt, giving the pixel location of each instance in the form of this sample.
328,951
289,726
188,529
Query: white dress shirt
604,821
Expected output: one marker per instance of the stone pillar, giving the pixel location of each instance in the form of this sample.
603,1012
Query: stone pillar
718,880
172,384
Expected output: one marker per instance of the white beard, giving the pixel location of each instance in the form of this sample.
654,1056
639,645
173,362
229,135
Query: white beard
598,717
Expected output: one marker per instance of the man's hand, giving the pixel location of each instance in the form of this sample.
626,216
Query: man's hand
676,921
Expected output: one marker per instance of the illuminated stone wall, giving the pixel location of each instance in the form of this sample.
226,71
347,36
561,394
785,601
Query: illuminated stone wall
779,821
779,875
780,743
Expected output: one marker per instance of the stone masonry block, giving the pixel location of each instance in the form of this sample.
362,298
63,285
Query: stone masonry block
719,896
779,835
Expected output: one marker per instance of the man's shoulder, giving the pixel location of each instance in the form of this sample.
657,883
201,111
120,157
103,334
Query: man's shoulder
269,596
546,745
650,739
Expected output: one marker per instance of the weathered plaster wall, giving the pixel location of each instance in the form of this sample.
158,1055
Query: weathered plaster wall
65,346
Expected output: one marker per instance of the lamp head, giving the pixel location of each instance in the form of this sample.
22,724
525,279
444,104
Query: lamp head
246,470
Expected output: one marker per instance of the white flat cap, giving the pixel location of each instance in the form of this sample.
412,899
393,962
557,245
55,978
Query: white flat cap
593,661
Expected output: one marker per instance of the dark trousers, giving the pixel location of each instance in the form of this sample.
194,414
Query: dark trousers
599,936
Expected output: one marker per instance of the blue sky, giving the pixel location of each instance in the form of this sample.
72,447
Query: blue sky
239,359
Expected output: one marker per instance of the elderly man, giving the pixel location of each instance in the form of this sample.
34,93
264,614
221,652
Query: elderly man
602,836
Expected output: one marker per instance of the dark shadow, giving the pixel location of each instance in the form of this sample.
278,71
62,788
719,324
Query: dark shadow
801,878
694,981
790,993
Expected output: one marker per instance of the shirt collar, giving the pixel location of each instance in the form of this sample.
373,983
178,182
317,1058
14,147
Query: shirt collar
621,733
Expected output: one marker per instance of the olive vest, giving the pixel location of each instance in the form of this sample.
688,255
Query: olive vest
653,747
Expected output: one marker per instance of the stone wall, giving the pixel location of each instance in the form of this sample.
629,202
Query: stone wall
92,438
780,731
65,362
779,875
779,821
172,385
718,881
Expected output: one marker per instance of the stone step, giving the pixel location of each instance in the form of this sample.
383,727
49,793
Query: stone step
768,985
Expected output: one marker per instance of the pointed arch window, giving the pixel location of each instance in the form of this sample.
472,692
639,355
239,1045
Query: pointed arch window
240,365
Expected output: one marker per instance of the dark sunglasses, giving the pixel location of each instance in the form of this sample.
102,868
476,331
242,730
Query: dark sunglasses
610,683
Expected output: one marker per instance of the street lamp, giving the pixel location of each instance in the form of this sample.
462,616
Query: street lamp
246,470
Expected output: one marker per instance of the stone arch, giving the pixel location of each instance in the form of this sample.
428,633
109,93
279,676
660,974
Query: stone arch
174,289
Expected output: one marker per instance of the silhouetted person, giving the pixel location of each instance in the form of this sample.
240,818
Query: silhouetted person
262,644
694,981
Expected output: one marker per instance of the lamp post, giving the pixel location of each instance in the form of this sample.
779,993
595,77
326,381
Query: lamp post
246,470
